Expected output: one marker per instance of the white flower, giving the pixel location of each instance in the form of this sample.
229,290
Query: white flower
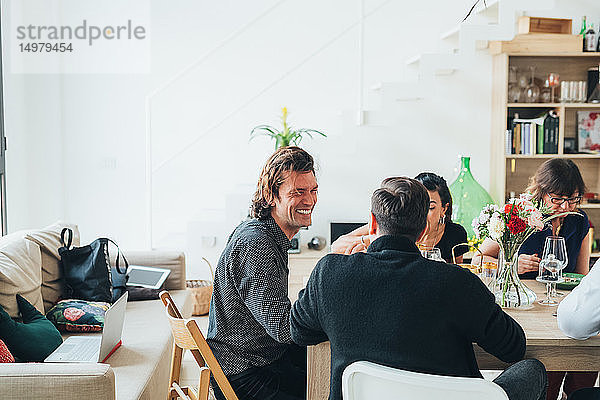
483,218
535,220
526,196
496,227
491,208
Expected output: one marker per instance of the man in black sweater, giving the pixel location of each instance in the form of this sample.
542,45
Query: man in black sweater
393,307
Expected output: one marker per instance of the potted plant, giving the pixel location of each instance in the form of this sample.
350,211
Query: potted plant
286,136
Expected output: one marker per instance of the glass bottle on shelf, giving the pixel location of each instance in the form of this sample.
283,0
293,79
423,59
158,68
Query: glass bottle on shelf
583,30
546,93
590,39
583,26
532,91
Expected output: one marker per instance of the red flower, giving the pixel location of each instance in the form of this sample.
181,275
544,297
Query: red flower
507,209
516,225
593,116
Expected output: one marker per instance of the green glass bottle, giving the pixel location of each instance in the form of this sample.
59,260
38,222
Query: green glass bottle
468,197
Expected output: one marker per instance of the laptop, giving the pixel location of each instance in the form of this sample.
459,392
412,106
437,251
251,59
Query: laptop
96,348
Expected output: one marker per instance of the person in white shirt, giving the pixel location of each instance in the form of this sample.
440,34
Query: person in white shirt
579,318
579,312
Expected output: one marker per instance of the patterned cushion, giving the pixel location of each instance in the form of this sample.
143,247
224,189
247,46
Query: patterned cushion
5,356
78,315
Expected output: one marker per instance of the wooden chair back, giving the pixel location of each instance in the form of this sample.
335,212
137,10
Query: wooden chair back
187,336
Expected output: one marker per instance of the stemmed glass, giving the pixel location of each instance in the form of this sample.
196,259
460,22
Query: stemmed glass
553,261
532,91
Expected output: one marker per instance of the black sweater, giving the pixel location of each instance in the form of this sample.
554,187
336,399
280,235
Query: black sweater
393,307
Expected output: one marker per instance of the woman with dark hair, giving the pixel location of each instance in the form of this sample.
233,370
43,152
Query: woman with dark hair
558,184
441,232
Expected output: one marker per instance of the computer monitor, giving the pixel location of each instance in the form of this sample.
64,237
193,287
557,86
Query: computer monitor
337,229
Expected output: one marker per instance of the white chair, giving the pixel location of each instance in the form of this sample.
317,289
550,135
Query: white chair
363,380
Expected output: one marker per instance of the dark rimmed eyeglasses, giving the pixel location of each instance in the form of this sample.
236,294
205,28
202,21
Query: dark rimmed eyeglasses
560,200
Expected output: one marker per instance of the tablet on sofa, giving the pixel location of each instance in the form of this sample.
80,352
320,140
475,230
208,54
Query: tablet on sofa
148,277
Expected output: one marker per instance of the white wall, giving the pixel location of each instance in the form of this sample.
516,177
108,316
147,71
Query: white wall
77,142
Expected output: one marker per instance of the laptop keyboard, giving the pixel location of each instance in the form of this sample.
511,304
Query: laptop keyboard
82,349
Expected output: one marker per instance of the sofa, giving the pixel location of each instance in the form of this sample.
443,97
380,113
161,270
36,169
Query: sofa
139,369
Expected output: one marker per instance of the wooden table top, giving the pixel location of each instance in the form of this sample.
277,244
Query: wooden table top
540,324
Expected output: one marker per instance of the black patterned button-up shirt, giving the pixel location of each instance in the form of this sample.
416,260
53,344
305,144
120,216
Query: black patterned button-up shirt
249,311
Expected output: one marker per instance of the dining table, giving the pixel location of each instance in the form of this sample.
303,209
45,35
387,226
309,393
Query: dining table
545,342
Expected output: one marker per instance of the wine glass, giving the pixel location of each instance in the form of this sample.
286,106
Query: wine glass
432,253
532,91
514,91
553,81
553,261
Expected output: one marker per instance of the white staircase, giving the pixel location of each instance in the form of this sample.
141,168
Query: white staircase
489,21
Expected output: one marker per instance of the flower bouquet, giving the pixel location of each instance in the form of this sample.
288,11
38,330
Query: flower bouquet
510,226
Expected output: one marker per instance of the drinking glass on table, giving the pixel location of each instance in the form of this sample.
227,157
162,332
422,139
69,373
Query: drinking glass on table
554,259
489,272
432,253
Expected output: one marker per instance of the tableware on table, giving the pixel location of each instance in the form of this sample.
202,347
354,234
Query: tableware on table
432,253
571,280
554,259
476,269
489,272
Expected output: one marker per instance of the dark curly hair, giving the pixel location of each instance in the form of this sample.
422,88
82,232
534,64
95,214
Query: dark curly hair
276,170
436,183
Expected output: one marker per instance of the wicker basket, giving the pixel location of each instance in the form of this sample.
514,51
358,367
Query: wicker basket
201,291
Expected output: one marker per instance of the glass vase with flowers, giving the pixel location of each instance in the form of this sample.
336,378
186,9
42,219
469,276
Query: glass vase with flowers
510,226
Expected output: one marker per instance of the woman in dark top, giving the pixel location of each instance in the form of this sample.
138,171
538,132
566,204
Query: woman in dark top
441,231
559,185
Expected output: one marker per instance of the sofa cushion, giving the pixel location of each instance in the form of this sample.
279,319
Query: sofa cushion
78,315
20,272
48,239
5,356
33,339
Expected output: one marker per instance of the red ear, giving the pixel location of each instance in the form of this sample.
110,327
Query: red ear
373,227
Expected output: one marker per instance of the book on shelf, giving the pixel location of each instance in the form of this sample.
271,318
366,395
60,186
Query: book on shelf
529,136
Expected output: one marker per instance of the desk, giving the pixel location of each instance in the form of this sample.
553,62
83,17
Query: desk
544,342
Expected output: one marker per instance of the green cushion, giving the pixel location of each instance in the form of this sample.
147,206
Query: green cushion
33,339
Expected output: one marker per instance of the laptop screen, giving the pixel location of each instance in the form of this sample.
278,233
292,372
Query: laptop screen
338,229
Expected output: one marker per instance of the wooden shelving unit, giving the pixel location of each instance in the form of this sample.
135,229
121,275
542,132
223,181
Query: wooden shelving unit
510,173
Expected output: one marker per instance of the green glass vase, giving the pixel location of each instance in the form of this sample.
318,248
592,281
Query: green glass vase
468,197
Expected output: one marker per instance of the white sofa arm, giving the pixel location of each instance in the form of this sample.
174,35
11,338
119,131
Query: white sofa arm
25,381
